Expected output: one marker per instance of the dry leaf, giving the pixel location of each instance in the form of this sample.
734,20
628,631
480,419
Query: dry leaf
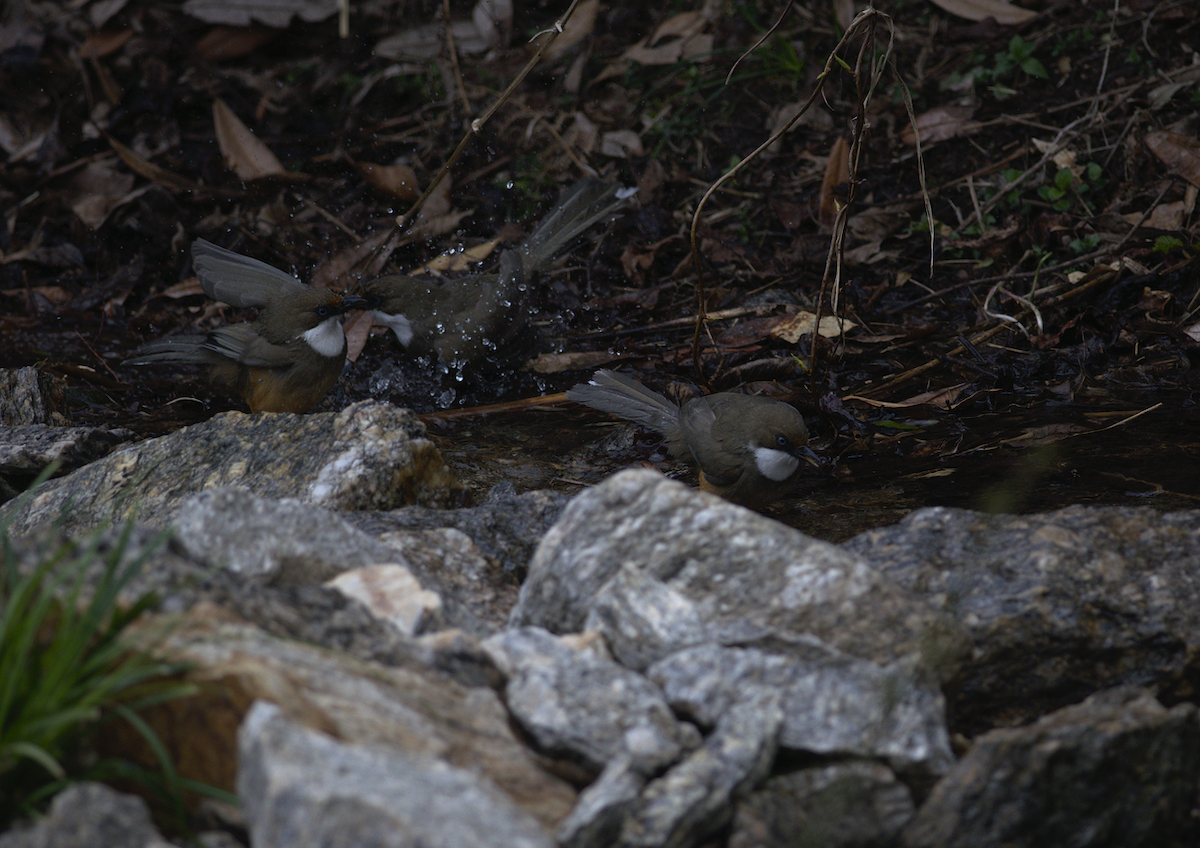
187,288
101,43
801,324
978,10
679,37
941,123
96,191
1180,153
1165,216
579,26
837,171
555,363
493,20
222,42
146,168
346,268
358,330
400,181
461,260
943,398
101,11
621,144
249,158
276,13
244,153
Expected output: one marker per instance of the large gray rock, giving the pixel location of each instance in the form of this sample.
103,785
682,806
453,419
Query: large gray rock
368,456
414,711
1116,770
292,543
90,815
574,701
506,527
1058,605
29,396
734,577
303,788
695,798
854,804
833,705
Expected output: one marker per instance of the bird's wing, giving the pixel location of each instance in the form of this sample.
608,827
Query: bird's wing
239,280
722,463
189,348
242,343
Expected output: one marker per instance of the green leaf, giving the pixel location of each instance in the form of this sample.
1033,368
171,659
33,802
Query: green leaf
1034,68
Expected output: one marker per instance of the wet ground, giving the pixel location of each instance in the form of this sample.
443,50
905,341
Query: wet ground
1151,461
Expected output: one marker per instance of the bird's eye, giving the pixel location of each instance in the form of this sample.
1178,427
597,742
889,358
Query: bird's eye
782,441
374,302
323,311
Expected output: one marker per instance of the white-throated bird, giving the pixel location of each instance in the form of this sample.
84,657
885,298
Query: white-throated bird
748,449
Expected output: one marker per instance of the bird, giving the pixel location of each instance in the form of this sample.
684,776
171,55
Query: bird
287,359
465,320
748,449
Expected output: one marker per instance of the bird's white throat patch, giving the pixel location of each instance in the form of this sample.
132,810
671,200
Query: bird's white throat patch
775,464
327,338
398,324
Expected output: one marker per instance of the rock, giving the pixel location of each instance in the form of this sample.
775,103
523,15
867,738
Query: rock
1058,605
27,449
1117,769
368,456
833,705
90,815
736,576
414,711
575,702
602,808
289,542
695,798
392,594
29,396
855,804
300,787
281,542
506,527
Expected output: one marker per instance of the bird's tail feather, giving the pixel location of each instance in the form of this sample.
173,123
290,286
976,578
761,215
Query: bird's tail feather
585,203
172,349
623,396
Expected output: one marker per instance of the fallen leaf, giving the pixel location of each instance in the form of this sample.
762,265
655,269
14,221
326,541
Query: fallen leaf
187,288
358,329
621,144
837,171
96,191
222,43
276,13
144,167
978,10
460,260
801,324
351,265
399,181
249,158
101,43
1180,153
579,26
493,19
556,363
941,123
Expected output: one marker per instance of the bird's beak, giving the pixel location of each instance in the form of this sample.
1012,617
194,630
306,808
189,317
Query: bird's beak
353,301
806,453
